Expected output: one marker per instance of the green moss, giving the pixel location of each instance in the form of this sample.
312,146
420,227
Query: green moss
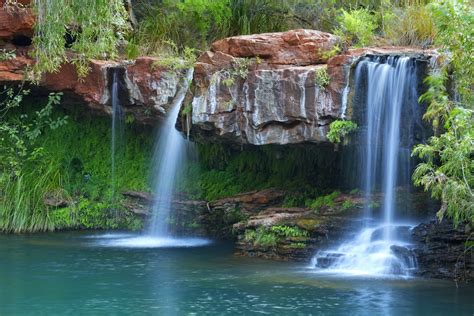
224,171
308,224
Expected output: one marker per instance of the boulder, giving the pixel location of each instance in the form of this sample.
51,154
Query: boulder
295,47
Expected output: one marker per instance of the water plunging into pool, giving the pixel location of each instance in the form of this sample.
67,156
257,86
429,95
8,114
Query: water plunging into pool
389,85
168,160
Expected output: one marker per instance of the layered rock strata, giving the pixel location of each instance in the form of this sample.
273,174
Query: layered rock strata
274,88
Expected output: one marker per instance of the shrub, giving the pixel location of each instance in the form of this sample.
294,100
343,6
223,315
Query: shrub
321,77
357,26
340,129
325,200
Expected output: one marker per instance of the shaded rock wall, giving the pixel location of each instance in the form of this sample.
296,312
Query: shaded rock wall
442,251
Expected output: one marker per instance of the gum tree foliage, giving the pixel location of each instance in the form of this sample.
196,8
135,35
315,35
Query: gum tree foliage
447,170
95,28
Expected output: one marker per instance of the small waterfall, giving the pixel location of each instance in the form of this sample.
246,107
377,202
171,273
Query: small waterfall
117,128
388,88
168,159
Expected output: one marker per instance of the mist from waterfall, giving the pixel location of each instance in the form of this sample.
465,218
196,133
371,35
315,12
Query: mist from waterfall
117,129
387,88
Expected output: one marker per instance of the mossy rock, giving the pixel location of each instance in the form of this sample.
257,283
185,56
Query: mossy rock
308,224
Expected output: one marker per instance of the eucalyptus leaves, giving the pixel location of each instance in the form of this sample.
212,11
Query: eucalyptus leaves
91,28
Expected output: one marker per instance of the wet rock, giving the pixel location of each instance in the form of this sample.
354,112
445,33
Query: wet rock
442,251
291,234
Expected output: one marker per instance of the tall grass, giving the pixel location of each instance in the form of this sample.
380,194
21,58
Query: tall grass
410,25
22,207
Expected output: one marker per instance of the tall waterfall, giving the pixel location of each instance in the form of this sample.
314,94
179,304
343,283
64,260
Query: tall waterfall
168,158
117,128
387,88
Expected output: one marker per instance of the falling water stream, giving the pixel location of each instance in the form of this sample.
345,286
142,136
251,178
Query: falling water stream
168,160
382,247
117,128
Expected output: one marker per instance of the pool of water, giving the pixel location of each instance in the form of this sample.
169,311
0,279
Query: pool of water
92,273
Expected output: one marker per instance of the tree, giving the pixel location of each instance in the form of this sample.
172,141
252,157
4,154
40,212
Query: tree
448,167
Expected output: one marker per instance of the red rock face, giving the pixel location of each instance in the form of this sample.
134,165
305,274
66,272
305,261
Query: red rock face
15,21
297,47
150,90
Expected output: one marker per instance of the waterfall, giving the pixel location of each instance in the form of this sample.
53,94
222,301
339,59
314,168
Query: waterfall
168,160
387,88
117,128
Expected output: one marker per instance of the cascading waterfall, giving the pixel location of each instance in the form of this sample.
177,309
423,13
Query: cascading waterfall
390,90
167,160
117,127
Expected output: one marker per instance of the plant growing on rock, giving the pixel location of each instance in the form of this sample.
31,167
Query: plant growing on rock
339,129
321,77
323,201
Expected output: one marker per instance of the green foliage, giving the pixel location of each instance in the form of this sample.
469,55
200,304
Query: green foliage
357,26
447,169
340,129
7,54
323,201
26,173
321,77
288,231
347,204
261,237
44,158
224,171
188,23
172,59
271,236
97,27
239,69
412,25
374,205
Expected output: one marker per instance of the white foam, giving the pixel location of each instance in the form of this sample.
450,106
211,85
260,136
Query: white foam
151,242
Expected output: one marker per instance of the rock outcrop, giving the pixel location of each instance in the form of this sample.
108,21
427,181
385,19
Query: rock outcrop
146,89
15,22
442,251
296,234
274,88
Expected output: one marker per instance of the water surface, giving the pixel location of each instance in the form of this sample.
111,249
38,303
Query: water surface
84,273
